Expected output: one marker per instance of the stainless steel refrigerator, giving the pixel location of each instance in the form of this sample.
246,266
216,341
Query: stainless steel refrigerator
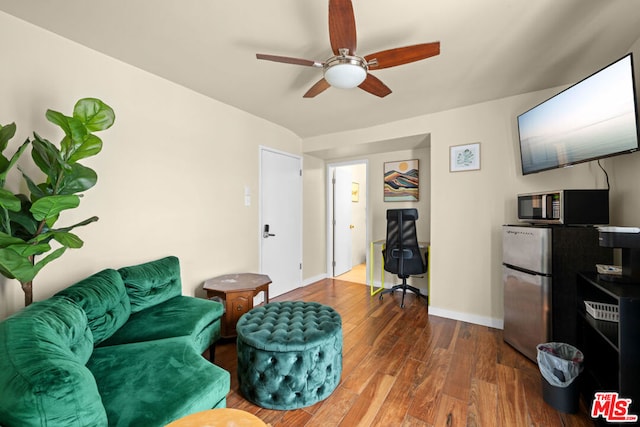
526,275
540,267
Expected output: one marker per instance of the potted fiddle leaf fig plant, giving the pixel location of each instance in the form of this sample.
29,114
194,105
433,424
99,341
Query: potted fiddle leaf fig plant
29,235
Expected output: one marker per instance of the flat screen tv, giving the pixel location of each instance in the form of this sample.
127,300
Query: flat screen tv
595,118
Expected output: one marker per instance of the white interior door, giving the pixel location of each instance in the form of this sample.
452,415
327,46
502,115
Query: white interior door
342,254
281,220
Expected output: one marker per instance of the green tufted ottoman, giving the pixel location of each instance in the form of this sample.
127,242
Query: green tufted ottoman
289,354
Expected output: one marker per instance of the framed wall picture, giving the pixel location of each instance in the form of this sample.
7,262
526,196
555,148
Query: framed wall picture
401,181
464,157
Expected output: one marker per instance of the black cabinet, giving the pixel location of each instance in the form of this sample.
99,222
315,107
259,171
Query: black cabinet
611,349
575,249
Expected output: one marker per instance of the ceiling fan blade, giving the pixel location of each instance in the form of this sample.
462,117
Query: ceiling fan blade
288,60
317,88
374,86
403,55
342,26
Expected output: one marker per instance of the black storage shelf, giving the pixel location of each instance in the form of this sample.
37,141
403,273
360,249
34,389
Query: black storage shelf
607,330
611,349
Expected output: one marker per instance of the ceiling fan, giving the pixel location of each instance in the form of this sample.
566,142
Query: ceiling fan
347,70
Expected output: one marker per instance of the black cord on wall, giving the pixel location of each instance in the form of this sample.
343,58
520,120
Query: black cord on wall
605,174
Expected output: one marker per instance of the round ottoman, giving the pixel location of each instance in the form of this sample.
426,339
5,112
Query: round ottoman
289,354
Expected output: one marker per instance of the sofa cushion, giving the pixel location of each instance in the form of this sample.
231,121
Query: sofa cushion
104,298
43,378
151,283
155,382
180,316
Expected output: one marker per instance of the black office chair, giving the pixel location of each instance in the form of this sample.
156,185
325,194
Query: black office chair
401,254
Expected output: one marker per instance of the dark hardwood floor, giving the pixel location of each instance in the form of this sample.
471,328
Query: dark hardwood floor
403,367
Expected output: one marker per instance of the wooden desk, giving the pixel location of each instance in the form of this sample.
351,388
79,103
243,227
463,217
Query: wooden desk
237,291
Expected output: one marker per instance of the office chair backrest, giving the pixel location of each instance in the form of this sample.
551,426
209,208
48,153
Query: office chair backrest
402,253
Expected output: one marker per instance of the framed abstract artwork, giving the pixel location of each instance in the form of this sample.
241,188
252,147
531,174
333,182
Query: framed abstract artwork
464,157
401,181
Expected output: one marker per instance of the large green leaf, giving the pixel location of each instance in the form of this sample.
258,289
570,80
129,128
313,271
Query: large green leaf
95,114
4,166
51,206
27,250
62,235
60,120
47,157
15,266
6,133
79,224
24,225
47,259
9,201
7,240
37,192
77,179
14,159
67,239
78,130
90,146
74,128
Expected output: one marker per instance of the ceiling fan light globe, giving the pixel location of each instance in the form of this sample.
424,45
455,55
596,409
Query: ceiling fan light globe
345,76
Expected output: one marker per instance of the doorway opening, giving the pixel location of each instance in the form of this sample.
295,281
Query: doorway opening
347,228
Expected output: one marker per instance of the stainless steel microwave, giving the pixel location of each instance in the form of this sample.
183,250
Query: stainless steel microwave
568,207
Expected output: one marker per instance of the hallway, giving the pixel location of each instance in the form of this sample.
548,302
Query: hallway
358,274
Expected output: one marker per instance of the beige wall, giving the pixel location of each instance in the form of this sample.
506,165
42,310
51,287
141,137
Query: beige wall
625,174
314,254
469,208
171,174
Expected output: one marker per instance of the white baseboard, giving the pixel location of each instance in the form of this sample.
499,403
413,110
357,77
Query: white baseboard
466,317
310,280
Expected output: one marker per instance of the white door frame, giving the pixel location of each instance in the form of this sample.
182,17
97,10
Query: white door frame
342,225
330,168
261,149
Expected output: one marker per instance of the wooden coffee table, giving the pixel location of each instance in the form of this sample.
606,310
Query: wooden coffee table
237,291
225,417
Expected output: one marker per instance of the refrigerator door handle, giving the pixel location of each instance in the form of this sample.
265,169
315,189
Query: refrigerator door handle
524,270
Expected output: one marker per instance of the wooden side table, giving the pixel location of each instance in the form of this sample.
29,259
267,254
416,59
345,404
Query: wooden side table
238,291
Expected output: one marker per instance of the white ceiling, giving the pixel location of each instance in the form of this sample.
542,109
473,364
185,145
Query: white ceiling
489,49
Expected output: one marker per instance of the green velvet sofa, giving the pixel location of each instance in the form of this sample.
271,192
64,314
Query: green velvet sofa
119,348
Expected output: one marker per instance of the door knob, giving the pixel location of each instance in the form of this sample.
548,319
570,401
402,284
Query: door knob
265,233
352,226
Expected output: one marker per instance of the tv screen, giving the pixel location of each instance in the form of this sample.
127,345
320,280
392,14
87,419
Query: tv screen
592,119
